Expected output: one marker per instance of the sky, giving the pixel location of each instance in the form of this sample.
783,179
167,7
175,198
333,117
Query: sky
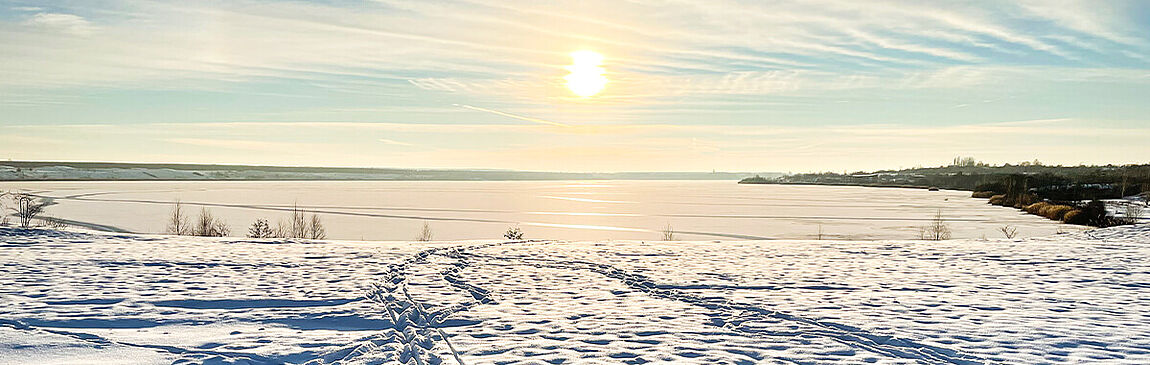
789,86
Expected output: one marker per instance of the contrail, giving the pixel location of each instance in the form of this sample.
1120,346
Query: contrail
509,115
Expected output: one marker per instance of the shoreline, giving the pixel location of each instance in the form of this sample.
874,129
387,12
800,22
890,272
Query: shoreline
1023,209
921,187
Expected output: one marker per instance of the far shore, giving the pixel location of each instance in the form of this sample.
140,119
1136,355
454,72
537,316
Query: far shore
848,184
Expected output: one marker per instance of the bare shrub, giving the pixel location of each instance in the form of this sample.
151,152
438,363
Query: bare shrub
260,229
179,223
668,233
425,234
937,230
3,209
315,228
28,207
297,223
53,223
1134,212
513,233
1009,231
208,225
301,225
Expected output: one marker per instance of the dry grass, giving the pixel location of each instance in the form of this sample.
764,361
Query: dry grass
1025,200
1072,216
1036,208
1055,212
998,199
982,194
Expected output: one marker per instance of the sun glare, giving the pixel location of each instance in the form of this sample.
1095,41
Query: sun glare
586,78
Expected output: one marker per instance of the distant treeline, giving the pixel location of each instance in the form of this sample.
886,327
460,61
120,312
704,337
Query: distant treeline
1048,182
1067,193
52,170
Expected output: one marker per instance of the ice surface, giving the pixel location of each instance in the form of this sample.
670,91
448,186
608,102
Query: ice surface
89,297
589,210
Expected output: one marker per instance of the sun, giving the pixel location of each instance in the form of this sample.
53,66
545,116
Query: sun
586,78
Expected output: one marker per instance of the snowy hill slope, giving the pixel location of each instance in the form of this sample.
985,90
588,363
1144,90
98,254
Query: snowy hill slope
87,297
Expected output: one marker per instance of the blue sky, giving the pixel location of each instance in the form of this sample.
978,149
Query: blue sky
693,86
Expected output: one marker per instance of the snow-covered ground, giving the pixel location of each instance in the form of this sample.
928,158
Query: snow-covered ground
1132,207
87,297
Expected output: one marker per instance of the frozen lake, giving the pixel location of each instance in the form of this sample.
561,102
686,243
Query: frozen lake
569,210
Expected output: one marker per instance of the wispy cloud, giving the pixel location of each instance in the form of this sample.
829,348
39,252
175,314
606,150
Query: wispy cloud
515,116
394,142
66,23
237,144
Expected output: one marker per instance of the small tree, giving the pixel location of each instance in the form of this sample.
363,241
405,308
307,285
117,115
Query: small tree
315,228
298,223
28,207
261,229
937,230
179,223
668,233
1009,231
208,225
513,233
301,225
425,234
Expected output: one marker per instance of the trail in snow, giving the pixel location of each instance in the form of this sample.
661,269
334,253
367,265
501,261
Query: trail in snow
733,315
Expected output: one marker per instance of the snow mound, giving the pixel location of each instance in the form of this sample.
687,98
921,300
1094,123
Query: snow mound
87,297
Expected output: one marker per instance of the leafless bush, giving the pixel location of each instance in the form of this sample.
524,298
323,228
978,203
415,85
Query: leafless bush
53,223
513,233
1134,212
1009,231
28,207
3,209
179,223
425,234
208,225
296,225
301,225
668,233
315,228
937,230
260,229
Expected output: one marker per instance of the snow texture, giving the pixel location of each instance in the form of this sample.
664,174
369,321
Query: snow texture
86,297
